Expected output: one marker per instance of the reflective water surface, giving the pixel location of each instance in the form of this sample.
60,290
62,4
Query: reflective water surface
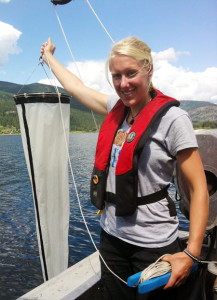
20,269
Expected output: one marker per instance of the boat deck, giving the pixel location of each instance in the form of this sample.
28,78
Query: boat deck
70,284
82,280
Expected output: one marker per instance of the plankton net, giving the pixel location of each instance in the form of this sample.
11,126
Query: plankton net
47,163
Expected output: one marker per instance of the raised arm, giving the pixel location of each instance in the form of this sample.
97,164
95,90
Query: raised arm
90,98
193,172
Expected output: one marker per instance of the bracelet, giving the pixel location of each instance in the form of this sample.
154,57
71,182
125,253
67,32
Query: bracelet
192,256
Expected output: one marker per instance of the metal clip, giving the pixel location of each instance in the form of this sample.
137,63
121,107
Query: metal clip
41,62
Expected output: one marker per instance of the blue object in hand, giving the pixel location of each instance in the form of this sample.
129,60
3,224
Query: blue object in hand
153,283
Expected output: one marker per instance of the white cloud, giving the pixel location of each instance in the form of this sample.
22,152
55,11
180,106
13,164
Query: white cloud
8,41
181,83
92,73
168,55
174,81
5,1
214,97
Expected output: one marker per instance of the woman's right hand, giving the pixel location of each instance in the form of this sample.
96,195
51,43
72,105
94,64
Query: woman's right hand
89,97
47,48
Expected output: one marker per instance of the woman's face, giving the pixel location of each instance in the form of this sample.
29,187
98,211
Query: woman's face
131,80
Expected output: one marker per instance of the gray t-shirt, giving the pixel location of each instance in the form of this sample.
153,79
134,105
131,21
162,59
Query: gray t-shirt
151,225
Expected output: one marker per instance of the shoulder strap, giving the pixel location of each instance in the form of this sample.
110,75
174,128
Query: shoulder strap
107,134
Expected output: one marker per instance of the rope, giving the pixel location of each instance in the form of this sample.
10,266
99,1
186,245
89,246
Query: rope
158,268
79,74
67,43
103,28
42,64
100,22
30,75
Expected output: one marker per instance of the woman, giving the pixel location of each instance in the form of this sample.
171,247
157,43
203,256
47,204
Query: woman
138,221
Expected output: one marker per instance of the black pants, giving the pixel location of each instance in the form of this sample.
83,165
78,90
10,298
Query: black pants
125,260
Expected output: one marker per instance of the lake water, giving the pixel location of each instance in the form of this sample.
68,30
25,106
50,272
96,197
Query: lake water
20,269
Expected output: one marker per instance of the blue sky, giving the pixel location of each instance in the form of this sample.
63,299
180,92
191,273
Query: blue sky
181,34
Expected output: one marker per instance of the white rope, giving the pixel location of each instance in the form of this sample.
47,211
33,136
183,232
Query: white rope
73,58
30,75
158,268
100,22
42,64
67,43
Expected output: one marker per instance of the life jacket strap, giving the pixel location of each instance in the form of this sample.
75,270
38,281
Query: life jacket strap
148,199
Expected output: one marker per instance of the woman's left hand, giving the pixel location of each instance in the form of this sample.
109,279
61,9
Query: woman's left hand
192,170
181,266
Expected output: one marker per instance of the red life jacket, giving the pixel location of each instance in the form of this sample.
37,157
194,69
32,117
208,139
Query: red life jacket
127,165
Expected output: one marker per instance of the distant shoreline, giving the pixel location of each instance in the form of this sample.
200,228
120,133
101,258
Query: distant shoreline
8,134
69,132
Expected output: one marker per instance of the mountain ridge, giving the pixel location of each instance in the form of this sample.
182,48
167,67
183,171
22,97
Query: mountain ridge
80,117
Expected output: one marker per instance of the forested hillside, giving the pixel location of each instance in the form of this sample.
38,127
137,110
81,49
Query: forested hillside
203,113
80,117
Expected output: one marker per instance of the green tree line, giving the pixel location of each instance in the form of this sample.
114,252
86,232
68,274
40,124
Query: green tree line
205,125
79,120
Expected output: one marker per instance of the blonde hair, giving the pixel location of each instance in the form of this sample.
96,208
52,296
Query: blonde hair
134,48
